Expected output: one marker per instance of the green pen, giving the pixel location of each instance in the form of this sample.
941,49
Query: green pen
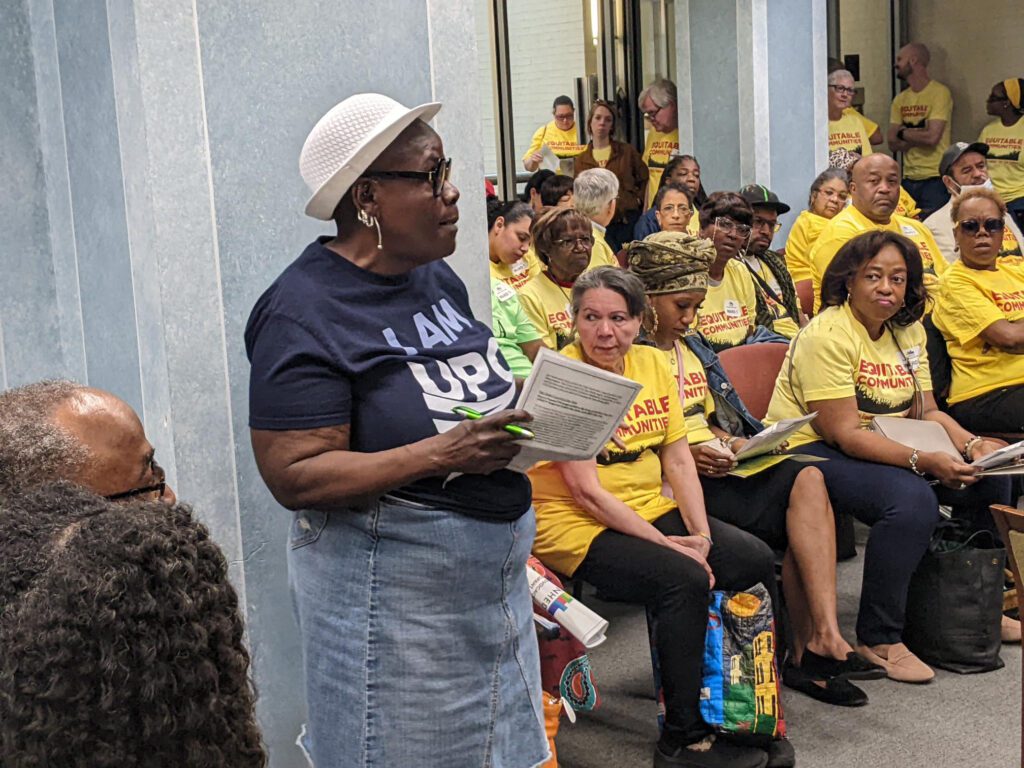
513,429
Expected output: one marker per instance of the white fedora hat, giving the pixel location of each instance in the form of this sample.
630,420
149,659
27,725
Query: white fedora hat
346,140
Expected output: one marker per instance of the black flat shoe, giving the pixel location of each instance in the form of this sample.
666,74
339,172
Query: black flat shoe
781,754
833,690
710,752
854,667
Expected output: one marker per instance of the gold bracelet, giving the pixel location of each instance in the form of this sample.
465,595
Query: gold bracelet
707,537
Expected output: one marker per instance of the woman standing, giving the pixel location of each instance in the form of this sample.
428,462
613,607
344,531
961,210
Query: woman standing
563,240
608,522
829,193
864,355
621,159
1005,139
359,351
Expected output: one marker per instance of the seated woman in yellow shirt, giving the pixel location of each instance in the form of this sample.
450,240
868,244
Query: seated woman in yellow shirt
563,240
508,243
786,505
829,193
863,356
980,313
608,522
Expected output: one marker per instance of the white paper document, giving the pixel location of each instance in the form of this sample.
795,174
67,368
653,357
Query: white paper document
576,409
548,159
1004,456
767,440
581,622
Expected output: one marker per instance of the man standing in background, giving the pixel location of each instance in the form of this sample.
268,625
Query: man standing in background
919,128
658,103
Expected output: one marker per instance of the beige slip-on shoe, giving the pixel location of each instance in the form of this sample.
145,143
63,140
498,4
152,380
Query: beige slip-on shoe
1010,630
899,662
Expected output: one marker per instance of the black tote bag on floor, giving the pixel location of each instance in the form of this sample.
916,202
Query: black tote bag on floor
955,602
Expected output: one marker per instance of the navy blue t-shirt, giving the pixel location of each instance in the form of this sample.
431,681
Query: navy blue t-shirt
331,343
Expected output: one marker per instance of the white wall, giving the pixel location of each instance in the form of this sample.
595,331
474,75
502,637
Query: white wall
864,30
546,54
973,45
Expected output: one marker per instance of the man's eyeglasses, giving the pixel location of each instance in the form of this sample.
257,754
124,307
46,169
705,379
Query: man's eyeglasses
441,173
973,226
654,114
763,224
843,89
727,225
153,492
572,242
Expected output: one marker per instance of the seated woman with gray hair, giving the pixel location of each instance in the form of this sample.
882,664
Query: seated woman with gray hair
606,520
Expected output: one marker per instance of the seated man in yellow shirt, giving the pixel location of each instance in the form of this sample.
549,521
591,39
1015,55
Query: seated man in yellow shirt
728,315
777,305
594,194
874,193
560,135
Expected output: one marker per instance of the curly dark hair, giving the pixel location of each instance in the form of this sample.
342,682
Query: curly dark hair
121,637
863,248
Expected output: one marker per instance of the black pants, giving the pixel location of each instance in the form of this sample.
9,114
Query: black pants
1001,410
929,194
902,510
621,232
675,588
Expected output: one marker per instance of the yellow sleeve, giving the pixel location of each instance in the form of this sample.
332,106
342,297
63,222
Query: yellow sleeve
907,205
823,365
963,310
938,259
536,142
797,249
942,109
822,253
534,310
895,116
869,125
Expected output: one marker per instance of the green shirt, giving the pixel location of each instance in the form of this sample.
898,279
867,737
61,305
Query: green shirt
511,327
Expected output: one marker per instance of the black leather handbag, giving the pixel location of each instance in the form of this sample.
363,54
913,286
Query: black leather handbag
955,602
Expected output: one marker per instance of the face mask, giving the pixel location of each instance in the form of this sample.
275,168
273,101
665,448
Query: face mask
968,187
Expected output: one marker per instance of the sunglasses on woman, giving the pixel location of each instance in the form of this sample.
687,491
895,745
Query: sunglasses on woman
973,226
437,177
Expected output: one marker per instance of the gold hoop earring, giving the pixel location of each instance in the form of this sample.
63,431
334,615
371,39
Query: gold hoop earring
371,221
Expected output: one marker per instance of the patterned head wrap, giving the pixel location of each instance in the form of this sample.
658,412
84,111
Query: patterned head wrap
1013,87
671,262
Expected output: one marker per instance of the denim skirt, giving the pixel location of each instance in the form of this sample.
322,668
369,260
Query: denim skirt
417,637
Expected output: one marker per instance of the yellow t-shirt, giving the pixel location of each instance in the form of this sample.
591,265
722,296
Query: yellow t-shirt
727,315
870,126
601,255
518,274
968,302
802,236
601,156
850,222
912,109
850,133
835,358
698,404
658,150
564,144
782,321
1005,157
548,305
633,476
907,205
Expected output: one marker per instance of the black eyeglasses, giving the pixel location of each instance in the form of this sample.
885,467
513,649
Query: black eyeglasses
844,89
441,173
155,492
973,226
652,115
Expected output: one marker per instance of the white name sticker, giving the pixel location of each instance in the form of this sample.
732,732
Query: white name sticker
504,291
908,230
913,356
732,308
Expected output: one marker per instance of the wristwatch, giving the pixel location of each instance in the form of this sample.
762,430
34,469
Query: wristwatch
913,463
